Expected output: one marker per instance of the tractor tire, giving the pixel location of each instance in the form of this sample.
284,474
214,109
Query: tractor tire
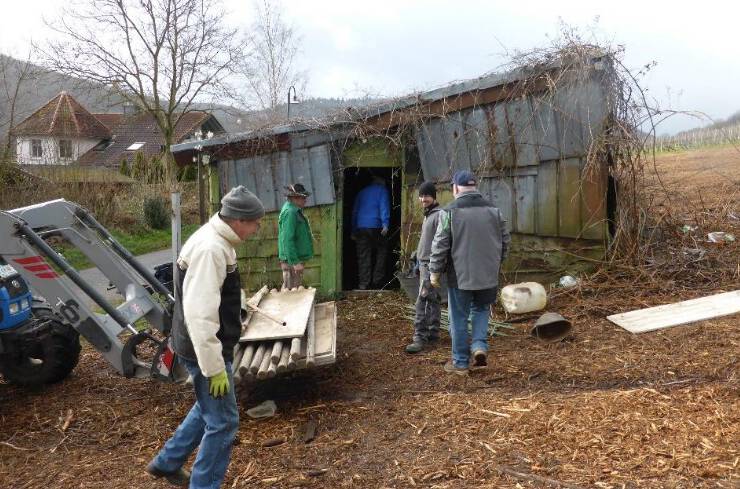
48,357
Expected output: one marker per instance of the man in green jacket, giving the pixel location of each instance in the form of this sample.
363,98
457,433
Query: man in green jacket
295,244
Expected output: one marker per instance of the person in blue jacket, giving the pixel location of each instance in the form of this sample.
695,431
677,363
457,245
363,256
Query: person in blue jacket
371,216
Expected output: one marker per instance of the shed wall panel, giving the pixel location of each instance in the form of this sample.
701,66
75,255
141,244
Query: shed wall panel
525,192
569,198
321,175
545,128
547,199
501,138
593,206
521,122
456,156
477,138
501,195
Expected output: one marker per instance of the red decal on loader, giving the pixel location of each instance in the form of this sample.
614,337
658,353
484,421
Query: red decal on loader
37,264
37,268
30,260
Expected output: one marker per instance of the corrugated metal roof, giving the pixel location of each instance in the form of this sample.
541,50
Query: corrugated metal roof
333,122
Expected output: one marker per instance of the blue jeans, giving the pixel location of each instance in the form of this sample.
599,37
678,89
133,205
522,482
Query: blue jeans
461,307
212,424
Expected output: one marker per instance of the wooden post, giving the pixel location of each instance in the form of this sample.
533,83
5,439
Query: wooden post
295,348
246,360
277,351
257,359
282,365
262,371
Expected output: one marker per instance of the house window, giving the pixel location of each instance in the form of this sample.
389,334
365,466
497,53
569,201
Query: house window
36,150
65,149
135,147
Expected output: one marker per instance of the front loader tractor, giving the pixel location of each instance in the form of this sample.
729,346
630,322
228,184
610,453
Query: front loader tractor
45,305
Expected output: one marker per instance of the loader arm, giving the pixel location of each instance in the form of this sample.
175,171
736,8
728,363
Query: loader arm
112,333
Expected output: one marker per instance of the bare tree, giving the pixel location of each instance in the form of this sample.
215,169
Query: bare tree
164,56
272,69
14,76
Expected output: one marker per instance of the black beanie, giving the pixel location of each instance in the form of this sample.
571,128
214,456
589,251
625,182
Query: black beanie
428,188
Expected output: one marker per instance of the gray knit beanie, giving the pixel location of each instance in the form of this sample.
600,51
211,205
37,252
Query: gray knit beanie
240,203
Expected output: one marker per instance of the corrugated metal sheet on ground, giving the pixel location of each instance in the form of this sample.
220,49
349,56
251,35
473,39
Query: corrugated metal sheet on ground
268,175
668,315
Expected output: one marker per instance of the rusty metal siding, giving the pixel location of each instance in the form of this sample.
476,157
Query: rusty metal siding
477,137
547,198
521,121
501,193
457,153
531,155
268,175
501,137
569,199
544,125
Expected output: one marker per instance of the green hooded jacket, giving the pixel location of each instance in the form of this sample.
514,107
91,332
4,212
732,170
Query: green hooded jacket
295,244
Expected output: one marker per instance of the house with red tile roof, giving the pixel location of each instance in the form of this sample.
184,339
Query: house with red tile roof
63,132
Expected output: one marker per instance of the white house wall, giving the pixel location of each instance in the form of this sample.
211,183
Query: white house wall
50,148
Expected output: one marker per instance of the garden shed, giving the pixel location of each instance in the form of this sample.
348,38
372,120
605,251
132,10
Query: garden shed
536,136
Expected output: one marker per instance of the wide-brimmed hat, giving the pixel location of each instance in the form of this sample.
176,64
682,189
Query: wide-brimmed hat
296,190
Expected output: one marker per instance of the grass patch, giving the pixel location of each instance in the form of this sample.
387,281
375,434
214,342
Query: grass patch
140,241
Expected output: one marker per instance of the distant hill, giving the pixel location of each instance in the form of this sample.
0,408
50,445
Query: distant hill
42,85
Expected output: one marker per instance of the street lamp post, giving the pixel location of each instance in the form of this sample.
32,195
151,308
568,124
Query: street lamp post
295,99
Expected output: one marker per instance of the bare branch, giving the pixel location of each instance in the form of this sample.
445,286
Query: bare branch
165,56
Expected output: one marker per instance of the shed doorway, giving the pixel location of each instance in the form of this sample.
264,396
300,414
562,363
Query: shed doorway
354,180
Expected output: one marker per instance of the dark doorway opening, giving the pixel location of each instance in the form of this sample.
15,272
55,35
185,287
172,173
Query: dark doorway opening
355,179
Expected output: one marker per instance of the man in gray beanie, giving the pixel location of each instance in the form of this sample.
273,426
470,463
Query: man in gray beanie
206,326
428,313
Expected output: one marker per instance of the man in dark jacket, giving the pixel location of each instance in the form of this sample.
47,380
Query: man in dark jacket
206,325
426,322
371,217
295,244
470,244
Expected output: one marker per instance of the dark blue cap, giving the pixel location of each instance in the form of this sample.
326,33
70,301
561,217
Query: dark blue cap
464,178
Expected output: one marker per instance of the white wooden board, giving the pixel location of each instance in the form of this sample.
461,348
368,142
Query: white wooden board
292,306
325,342
668,315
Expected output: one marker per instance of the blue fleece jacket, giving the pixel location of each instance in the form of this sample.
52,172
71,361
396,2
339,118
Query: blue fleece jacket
372,208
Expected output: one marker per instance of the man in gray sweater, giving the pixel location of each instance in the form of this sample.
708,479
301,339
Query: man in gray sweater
426,322
470,244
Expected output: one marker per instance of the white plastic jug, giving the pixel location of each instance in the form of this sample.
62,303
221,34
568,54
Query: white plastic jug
523,297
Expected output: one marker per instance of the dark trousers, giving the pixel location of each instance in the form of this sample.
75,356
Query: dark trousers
370,241
426,322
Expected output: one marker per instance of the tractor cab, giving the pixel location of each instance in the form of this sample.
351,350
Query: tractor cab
15,298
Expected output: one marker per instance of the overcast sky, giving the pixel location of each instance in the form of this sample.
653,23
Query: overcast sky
392,47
